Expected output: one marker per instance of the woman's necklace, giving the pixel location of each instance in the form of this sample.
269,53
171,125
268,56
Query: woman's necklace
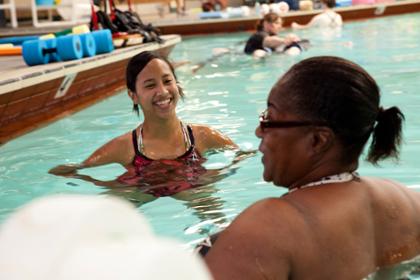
337,178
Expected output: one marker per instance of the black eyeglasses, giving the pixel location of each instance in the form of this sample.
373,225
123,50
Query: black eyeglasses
265,123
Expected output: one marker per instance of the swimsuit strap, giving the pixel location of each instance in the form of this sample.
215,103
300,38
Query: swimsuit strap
187,136
140,145
190,152
135,143
190,136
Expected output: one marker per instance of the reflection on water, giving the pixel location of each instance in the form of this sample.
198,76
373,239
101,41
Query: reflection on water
201,199
407,270
186,181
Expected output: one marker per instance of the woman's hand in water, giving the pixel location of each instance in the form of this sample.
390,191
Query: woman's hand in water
241,155
66,170
296,25
290,38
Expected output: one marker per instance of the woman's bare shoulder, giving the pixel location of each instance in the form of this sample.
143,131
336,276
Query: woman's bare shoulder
383,186
118,143
392,205
269,218
201,128
117,150
208,138
126,138
259,234
273,210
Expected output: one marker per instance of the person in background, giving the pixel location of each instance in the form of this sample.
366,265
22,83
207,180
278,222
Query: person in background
332,222
178,6
214,5
292,4
327,19
266,39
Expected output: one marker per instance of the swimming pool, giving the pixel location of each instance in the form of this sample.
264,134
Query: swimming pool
228,94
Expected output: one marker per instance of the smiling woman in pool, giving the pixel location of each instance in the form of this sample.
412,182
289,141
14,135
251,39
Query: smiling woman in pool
162,137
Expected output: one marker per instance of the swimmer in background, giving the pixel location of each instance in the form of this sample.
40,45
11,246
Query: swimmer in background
327,19
179,6
266,39
214,5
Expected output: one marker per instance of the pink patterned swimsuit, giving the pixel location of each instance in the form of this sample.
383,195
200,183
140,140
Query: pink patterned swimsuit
165,177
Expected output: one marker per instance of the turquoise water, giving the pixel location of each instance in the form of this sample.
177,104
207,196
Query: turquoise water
227,93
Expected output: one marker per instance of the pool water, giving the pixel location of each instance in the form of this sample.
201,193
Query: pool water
227,93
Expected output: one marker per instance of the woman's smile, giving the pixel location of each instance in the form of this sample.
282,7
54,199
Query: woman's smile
163,103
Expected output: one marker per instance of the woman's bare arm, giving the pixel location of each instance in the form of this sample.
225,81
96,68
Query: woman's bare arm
273,42
276,41
251,248
118,150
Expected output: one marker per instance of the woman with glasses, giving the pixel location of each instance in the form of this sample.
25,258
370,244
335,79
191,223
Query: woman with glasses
332,223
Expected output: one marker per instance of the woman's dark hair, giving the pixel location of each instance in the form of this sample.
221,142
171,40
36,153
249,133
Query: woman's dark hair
341,94
329,3
137,64
270,18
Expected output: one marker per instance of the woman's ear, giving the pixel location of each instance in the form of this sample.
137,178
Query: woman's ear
322,139
133,96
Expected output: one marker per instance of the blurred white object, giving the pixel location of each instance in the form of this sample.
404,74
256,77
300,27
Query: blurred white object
12,11
283,7
246,11
89,237
293,51
72,11
306,5
257,8
279,8
220,51
233,12
264,9
257,54
75,10
274,8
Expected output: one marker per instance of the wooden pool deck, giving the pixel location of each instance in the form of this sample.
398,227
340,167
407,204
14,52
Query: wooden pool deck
31,97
